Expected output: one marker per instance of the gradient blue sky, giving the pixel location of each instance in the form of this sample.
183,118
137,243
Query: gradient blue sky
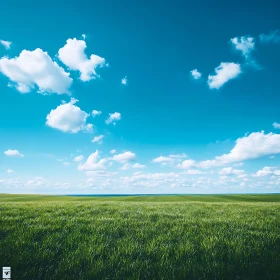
188,134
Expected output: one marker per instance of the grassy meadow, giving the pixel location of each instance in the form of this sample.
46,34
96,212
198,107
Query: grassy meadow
141,237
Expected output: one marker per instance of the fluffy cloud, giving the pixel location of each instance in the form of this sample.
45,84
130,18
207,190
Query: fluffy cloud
264,172
273,37
13,153
113,117
224,72
68,118
9,171
79,158
195,74
95,113
6,44
186,164
97,139
244,44
162,159
124,81
74,57
124,157
138,166
256,144
276,125
92,163
113,151
36,68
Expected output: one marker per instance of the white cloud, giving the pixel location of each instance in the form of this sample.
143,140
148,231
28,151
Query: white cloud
124,157
92,163
79,158
88,127
6,44
243,44
36,182
66,163
273,37
264,172
9,171
74,57
138,166
36,68
276,125
68,118
267,170
162,159
193,172
186,164
224,72
230,171
13,153
150,176
113,151
239,164
95,113
84,36
125,166
178,156
113,117
255,145
124,81
195,74
97,139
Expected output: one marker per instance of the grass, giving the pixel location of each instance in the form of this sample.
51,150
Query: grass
141,237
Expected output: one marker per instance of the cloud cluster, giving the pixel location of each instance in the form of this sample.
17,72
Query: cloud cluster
256,144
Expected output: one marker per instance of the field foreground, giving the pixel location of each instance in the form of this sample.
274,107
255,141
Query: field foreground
161,237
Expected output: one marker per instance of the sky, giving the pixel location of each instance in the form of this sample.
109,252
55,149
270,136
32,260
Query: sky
139,97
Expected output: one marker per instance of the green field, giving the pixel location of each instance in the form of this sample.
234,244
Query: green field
141,237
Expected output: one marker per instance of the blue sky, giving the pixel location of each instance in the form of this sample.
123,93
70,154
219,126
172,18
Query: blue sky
139,97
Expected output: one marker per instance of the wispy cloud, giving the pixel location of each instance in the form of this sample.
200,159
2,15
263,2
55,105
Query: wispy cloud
6,44
272,37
